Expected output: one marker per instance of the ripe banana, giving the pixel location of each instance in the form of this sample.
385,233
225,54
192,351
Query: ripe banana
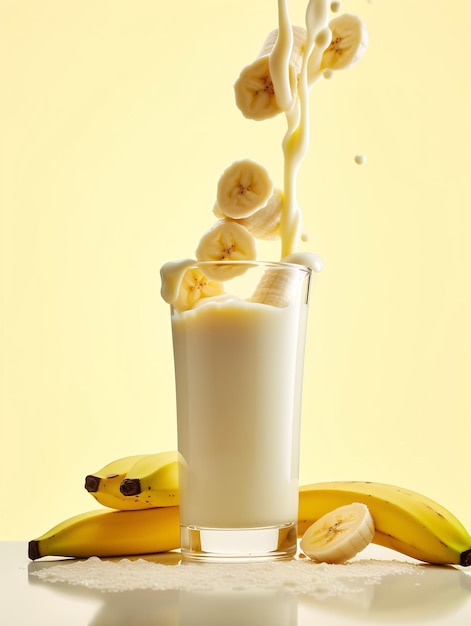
339,535
404,520
111,533
254,92
243,188
153,481
195,286
104,484
226,241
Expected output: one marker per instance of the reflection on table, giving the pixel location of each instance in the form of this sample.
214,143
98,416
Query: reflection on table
430,593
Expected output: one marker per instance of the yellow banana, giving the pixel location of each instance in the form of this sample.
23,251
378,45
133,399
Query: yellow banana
153,481
111,533
404,520
104,485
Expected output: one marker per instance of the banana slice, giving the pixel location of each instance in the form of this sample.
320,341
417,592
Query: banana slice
348,45
218,213
226,241
265,223
276,287
339,535
195,286
254,91
243,188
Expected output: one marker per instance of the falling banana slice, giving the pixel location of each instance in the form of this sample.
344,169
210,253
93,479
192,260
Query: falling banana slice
339,535
226,241
195,286
254,91
265,223
348,45
243,188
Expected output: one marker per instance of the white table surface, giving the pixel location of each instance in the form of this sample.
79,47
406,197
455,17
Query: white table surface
438,596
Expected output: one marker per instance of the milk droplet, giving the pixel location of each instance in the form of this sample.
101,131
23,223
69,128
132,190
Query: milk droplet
305,237
360,159
335,6
328,73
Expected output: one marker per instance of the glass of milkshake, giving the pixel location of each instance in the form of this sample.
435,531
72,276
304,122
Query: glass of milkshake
238,336
239,325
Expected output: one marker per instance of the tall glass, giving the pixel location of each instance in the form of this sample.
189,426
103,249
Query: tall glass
238,370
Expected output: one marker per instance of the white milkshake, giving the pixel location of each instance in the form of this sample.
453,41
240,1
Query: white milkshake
238,370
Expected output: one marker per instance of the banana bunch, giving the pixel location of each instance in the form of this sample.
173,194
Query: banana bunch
104,484
335,521
137,482
144,489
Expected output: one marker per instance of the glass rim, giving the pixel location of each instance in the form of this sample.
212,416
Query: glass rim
283,265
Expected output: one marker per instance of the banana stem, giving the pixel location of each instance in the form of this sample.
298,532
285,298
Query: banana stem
465,558
130,487
92,483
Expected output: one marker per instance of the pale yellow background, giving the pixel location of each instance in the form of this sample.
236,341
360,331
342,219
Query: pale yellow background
116,119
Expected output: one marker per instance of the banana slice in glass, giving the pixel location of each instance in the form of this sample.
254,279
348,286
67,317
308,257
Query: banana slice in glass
339,535
193,287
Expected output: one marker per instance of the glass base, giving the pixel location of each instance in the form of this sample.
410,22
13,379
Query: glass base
239,544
